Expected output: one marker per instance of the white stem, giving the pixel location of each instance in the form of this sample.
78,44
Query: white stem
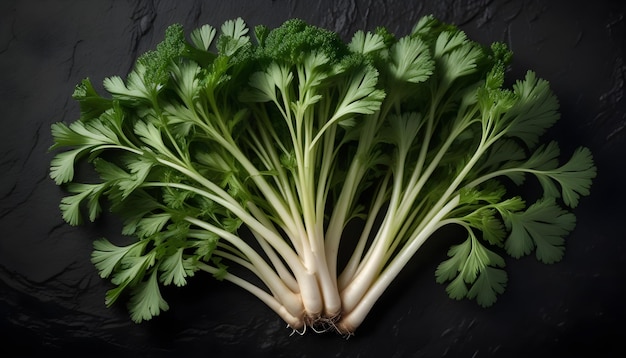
295,322
352,266
339,215
282,271
351,320
264,271
369,267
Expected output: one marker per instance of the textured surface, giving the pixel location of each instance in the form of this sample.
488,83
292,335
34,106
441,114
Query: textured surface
51,299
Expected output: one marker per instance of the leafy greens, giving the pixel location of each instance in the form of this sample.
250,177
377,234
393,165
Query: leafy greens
246,158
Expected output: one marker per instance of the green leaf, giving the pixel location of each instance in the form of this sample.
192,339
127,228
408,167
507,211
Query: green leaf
152,70
488,285
63,136
135,91
490,192
311,74
109,171
544,158
91,103
543,227
494,104
455,56
265,84
429,28
575,176
535,110
472,265
202,37
450,268
501,53
139,168
221,272
478,258
261,32
86,135
133,267
233,36
132,208
107,256
508,206
502,154
235,28
71,205
448,41
410,60
62,165
175,198
187,85
177,232
146,300
114,294
231,224
360,97
366,43
491,227
152,224
459,62
205,245
495,78
126,181
403,130
151,135
457,289
175,269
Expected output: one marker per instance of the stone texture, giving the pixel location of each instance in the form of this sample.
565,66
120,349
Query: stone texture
52,301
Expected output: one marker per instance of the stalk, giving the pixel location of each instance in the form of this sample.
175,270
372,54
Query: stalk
352,319
294,321
280,268
290,300
368,269
349,189
352,266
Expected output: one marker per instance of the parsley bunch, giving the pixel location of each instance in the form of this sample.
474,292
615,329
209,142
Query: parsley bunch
246,158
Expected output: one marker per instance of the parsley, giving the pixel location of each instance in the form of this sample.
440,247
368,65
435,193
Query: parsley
292,134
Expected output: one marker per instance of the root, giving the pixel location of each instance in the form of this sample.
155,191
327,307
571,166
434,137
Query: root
344,330
322,324
299,332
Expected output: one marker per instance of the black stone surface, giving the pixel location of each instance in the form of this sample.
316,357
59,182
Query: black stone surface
52,301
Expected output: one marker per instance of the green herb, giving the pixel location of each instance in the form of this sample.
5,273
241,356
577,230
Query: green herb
247,157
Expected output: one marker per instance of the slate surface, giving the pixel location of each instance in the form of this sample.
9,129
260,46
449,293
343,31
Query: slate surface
51,299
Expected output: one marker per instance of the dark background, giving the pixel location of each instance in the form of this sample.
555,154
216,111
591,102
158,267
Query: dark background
52,301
